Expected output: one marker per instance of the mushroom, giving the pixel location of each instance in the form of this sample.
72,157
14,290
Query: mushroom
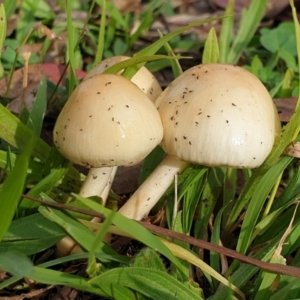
213,115
144,79
107,121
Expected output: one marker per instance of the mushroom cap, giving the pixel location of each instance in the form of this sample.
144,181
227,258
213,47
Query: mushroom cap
107,121
144,79
218,115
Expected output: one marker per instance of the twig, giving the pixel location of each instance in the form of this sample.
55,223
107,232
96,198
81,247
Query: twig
271,267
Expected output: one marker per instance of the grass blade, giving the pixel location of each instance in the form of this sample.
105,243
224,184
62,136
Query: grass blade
287,136
14,132
226,32
13,187
211,48
3,28
71,46
133,229
153,48
37,113
249,23
196,261
101,37
259,197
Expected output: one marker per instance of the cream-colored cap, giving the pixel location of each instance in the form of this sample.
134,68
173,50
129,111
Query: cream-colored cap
218,115
144,79
107,121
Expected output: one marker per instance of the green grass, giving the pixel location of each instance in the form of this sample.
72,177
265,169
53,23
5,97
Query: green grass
251,219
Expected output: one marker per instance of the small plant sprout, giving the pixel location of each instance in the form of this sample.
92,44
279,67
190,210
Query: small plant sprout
144,79
214,115
107,121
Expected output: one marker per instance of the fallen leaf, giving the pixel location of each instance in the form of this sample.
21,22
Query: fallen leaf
274,7
126,6
293,150
285,107
35,72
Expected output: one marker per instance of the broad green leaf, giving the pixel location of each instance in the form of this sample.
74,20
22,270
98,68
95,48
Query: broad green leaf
16,263
30,235
10,6
281,37
34,226
154,284
256,66
19,265
31,246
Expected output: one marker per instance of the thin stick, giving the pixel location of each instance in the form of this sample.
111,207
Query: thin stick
272,267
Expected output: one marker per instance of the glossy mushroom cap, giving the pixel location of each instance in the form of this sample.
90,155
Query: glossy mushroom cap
107,121
144,79
218,115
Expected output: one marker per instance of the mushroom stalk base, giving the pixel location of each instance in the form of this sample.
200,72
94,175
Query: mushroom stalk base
98,182
149,193
99,186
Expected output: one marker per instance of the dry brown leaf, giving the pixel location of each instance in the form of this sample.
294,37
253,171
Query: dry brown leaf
285,107
126,6
35,73
274,7
294,150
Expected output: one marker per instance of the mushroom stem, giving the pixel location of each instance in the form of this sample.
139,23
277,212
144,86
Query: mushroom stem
107,188
151,190
97,181
67,245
